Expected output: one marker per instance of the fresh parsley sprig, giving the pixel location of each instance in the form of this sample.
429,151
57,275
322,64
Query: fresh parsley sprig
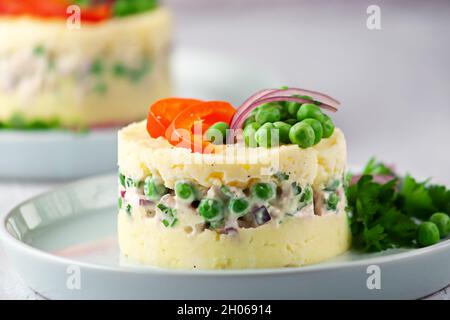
387,215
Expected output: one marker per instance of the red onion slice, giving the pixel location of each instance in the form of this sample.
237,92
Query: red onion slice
249,101
241,119
272,95
261,215
317,96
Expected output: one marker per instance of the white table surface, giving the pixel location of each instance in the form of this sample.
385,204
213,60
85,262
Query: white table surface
394,83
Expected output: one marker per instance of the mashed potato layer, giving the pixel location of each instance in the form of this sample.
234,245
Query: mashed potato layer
295,242
303,223
140,155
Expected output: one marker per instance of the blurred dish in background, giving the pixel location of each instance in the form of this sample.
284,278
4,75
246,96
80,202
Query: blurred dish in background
64,154
100,75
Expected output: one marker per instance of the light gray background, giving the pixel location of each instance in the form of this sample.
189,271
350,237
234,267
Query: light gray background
393,83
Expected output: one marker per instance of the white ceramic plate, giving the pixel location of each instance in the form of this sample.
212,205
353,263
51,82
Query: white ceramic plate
64,155
63,245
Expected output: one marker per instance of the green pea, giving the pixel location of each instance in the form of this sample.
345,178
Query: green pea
263,191
309,110
283,106
293,108
249,120
97,67
332,201
211,210
119,69
302,134
328,126
185,191
254,111
427,234
267,136
249,134
268,113
239,206
441,220
291,121
317,127
217,132
296,188
283,131
154,190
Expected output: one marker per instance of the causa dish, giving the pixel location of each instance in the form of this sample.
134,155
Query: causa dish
204,185
99,71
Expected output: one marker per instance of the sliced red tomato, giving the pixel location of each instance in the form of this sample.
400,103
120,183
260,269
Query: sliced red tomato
54,9
181,132
163,111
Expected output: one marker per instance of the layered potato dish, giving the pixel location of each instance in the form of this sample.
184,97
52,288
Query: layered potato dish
99,71
204,185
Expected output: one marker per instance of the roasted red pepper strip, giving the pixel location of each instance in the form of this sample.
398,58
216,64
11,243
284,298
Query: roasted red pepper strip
162,113
181,131
55,9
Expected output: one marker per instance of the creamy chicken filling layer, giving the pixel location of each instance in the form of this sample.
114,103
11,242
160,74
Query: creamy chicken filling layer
225,208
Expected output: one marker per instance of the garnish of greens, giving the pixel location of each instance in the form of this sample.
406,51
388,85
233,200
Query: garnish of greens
399,212
267,119
19,122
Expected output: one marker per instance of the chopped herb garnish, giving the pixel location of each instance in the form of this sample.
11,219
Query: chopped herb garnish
281,176
119,203
18,121
307,195
128,209
169,215
122,179
129,182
